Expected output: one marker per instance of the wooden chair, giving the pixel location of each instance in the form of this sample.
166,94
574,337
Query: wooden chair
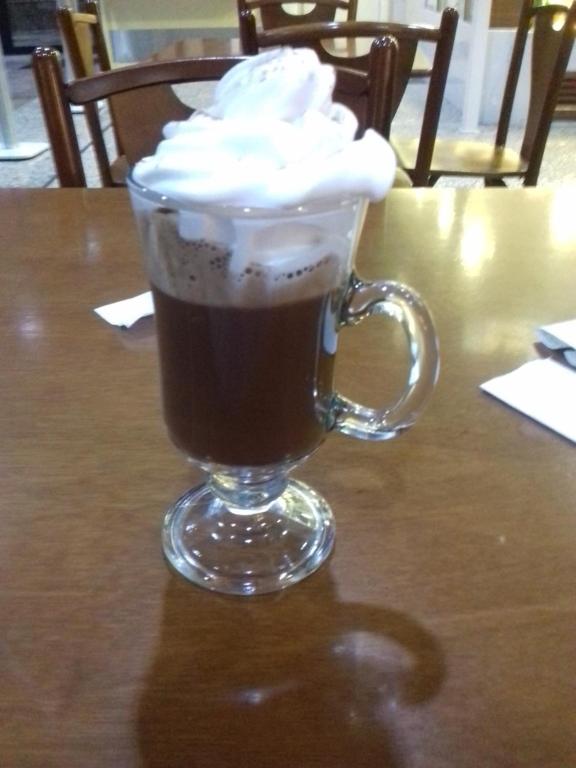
552,42
273,13
320,35
85,45
83,39
143,120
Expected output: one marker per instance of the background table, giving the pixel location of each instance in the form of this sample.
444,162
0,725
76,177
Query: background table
441,633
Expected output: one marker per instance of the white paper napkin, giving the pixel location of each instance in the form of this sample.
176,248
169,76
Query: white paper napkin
545,390
128,311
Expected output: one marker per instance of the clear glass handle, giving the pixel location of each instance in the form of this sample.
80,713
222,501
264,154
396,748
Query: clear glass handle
406,307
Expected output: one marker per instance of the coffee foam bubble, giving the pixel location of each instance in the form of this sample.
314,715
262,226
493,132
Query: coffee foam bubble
250,263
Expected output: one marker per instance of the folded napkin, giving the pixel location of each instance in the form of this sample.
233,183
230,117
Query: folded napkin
545,389
560,337
128,311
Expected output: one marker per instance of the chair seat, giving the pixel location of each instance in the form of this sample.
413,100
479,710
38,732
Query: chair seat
463,158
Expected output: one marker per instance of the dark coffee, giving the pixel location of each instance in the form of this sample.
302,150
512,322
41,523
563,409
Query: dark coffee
246,386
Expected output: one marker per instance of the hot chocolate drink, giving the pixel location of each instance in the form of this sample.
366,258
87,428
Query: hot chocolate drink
247,355
248,386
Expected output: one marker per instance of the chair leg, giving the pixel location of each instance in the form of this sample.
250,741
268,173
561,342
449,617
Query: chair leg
530,180
433,178
494,182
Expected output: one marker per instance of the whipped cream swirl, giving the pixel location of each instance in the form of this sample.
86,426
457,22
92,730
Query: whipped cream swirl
272,138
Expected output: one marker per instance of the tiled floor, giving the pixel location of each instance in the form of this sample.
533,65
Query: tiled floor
559,164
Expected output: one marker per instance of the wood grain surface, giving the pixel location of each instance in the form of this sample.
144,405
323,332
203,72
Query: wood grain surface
441,632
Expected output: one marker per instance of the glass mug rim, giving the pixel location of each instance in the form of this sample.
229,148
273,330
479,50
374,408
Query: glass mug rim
310,208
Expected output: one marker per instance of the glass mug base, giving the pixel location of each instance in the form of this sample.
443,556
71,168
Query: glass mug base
229,549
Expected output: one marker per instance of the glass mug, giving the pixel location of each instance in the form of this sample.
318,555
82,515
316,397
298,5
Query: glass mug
248,305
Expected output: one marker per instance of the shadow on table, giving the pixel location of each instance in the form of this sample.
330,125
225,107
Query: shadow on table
296,679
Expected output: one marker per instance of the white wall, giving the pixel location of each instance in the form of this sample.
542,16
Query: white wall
479,63
168,14
464,87
500,43
137,27
373,10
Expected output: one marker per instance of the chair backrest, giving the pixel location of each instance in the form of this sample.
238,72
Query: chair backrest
84,43
274,13
83,39
145,118
552,42
142,120
317,36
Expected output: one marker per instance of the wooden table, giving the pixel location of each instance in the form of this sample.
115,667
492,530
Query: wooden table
442,631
